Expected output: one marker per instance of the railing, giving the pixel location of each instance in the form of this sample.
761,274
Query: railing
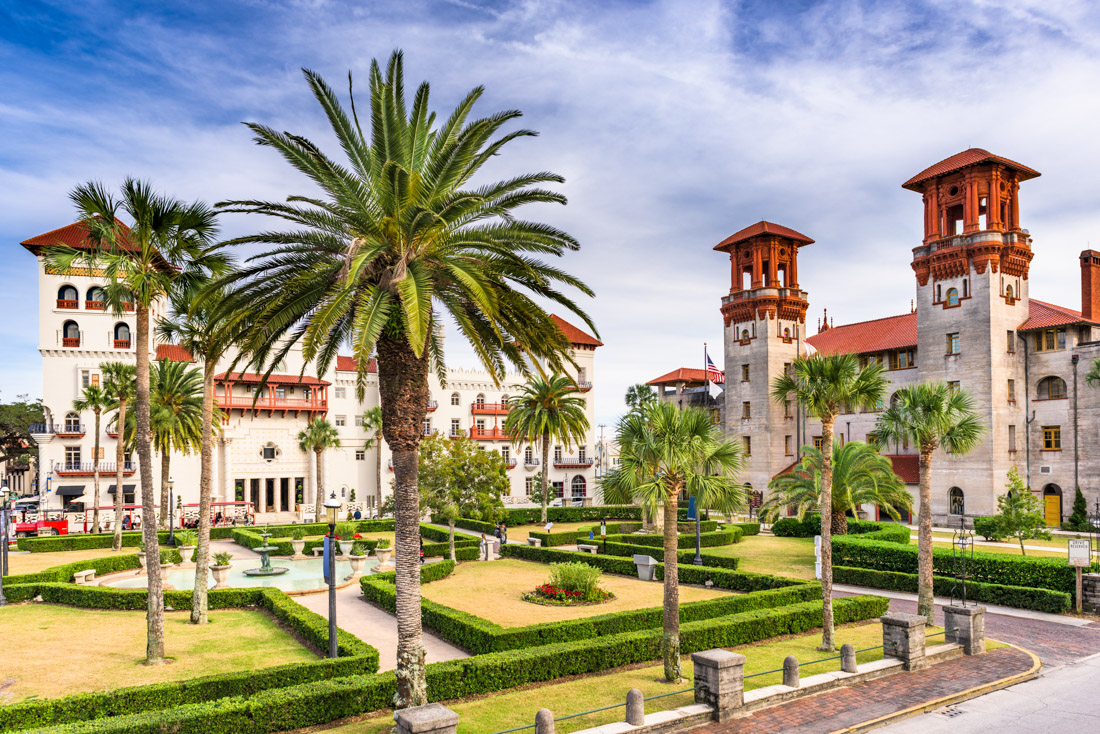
87,468
432,405
67,303
95,306
70,341
70,430
489,408
511,462
579,461
584,386
533,461
271,402
488,434
122,343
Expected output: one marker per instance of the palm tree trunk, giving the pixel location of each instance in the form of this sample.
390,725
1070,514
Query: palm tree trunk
451,538
154,617
319,488
926,604
827,633
120,454
166,518
378,473
199,598
545,473
95,477
403,388
670,636
840,523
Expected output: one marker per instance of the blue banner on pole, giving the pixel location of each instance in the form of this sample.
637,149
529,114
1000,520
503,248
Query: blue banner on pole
327,556
691,508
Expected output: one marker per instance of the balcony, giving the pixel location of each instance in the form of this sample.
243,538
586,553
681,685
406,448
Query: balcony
70,430
87,469
122,343
67,303
584,386
573,462
95,306
273,404
489,408
531,463
432,405
112,433
488,434
511,462
68,341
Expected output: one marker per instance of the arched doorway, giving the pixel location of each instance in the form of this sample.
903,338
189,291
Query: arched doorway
578,487
956,501
1052,505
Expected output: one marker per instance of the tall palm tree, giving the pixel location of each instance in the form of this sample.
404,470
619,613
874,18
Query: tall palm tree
827,385
861,475
931,415
207,338
120,383
97,400
639,397
372,424
168,247
380,242
317,436
663,452
547,410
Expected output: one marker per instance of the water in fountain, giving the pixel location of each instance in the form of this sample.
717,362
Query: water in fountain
266,569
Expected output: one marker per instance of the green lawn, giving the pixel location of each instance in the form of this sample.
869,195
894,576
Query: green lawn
34,562
1057,543
793,557
64,650
521,532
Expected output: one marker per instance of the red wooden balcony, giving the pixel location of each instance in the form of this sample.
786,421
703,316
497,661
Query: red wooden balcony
488,434
127,305
112,433
70,341
122,343
273,404
433,405
489,408
95,306
573,462
67,303
584,386
70,431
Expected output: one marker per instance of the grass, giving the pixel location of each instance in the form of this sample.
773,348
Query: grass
35,562
521,532
1010,547
517,708
57,651
1057,543
792,557
492,591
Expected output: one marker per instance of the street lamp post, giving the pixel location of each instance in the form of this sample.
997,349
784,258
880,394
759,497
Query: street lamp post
5,518
332,506
171,511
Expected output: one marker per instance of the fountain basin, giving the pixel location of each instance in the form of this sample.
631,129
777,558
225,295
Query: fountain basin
301,576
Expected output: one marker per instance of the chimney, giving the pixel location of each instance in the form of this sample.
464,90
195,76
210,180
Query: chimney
1090,285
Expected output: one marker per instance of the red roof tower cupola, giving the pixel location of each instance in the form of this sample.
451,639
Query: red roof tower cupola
764,274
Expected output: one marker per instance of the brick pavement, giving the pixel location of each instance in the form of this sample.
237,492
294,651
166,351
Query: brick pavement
843,707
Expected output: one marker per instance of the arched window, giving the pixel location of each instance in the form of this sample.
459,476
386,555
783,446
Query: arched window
72,423
744,335
479,401
1051,388
956,502
122,335
454,398
95,299
952,296
528,456
894,400
70,334
1008,293
578,486
67,297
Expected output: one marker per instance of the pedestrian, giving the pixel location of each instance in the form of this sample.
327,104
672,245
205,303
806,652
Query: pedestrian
504,532
496,531
485,546
358,514
422,550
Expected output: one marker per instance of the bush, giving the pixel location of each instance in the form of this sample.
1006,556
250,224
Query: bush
223,559
686,557
726,536
988,528
186,538
792,527
747,528
578,577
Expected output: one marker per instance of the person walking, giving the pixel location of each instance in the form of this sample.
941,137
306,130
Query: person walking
503,532
484,547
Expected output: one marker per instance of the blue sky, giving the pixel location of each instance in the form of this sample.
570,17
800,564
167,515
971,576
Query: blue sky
674,123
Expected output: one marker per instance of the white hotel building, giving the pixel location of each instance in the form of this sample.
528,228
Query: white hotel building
257,459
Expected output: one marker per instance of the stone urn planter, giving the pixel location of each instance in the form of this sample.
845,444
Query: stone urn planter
221,573
298,546
356,566
345,546
186,552
383,554
141,559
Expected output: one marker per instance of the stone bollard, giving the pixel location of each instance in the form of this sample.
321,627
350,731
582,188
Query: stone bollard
432,718
968,624
847,658
790,671
544,722
903,638
635,707
720,681
1090,592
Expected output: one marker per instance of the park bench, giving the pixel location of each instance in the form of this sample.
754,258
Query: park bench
535,542
585,548
84,577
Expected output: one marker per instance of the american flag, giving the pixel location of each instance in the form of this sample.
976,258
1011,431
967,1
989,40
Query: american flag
714,374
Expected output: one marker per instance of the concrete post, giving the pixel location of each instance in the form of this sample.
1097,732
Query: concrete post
968,624
847,658
432,718
1091,592
635,707
720,681
544,722
903,638
790,671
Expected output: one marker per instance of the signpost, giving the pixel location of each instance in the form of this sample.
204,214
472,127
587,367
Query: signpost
1080,556
817,556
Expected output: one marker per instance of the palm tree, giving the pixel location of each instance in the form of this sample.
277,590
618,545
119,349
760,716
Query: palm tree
931,415
372,424
639,397
95,399
379,243
167,248
663,452
1092,378
119,382
827,385
546,410
317,436
861,476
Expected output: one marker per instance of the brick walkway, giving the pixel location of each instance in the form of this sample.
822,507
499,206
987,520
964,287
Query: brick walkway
843,707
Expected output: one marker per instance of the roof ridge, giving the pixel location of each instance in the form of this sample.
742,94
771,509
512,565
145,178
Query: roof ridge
869,321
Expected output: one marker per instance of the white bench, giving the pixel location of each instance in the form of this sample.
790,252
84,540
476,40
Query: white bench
585,548
84,577
318,550
536,542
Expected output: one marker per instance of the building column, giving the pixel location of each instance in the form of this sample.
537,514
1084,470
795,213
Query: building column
934,215
311,481
228,493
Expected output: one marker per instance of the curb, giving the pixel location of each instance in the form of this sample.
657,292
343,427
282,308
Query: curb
976,691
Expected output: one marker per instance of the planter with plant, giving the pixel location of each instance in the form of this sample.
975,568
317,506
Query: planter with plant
298,540
357,557
186,541
345,536
220,568
571,584
141,557
165,558
382,550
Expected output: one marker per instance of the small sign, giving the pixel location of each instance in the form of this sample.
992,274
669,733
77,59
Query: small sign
1080,552
548,526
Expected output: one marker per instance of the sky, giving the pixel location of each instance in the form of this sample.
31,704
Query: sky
674,124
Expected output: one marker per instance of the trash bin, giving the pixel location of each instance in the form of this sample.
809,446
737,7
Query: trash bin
646,566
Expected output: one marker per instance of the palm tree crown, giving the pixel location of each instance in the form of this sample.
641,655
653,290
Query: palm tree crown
930,415
1092,377
318,435
827,385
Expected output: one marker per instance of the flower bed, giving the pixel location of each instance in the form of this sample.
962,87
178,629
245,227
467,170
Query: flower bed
553,596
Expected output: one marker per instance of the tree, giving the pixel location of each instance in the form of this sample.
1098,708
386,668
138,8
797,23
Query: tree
119,382
94,399
459,479
169,247
546,410
639,397
663,452
1079,518
1092,377
827,385
1020,513
16,418
317,436
930,415
372,424
860,476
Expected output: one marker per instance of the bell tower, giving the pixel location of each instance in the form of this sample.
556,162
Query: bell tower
764,316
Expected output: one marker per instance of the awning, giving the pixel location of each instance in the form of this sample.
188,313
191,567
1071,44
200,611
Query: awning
126,489
70,491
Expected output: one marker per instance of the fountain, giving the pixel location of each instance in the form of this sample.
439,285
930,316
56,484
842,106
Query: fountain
266,569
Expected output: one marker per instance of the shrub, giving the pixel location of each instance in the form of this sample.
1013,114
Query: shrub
223,559
576,577
748,528
297,534
359,548
382,543
90,541
1079,518
988,528
726,536
345,530
186,538
685,556
792,527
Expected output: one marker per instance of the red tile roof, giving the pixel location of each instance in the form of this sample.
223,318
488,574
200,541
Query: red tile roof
907,467
272,379
73,235
892,332
969,157
173,353
684,374
575,335
1043,315
762,227
348,364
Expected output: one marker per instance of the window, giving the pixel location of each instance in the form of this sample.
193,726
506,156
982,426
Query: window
528,456
939,292
95,298
70,334
746,409
715,416
744,373
818,442
1050,339
529,485
788,445
1052,438
1010,342
67,297
280,392
952,296
787,368
787,334
787,409
506,453
72,457
1051,388
454,398
1012,391
358,420
903,359
953,343
953,386
582,376
557,453
342,392
455,427
72,423
360,455
746,442
1009,295
122,336
269,453
85,378
426,426
956,502
480,423
341,420
744,336
479,401
1012,438
582,452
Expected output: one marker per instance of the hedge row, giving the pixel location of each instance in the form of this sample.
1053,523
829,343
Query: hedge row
747,528
579,535
685,556
809,526
466,546
1043,600
88,541
64,573
324,701
726,536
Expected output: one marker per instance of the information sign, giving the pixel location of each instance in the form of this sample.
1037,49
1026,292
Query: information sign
1080,552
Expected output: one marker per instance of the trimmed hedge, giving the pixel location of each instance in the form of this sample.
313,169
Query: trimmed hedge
727,536
1043,600
572,537
88,541
64,573
747,528
324,701
686,557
